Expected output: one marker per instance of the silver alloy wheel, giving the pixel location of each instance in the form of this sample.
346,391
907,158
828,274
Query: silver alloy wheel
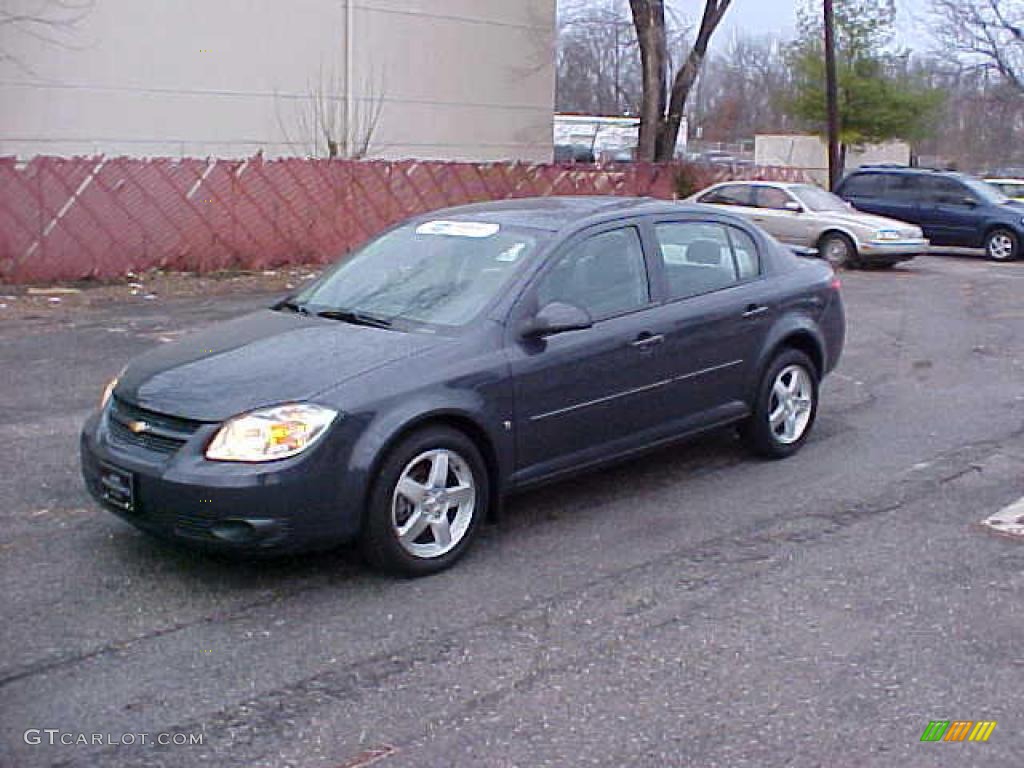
792,401
1000,246
837,251
433,503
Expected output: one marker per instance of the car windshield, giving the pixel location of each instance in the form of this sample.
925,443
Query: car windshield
817,199
1011,188
434,272
986,191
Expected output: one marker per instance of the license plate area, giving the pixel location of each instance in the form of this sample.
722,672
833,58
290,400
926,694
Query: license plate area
117,487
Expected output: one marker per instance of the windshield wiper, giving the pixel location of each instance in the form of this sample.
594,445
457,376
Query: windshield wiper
355,318
293,306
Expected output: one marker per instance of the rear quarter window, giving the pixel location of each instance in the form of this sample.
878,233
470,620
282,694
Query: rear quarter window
864,185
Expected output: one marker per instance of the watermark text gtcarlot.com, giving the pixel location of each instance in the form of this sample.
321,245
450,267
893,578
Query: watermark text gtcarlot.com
57,737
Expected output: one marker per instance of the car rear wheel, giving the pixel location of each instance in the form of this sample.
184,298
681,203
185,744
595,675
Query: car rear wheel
838,250
426,504
787,403
1002,245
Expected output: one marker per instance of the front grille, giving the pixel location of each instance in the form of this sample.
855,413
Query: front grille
160,433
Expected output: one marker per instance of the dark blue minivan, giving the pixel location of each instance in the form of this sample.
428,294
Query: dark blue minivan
953,209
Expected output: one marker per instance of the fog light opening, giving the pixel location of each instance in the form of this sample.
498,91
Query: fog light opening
235,531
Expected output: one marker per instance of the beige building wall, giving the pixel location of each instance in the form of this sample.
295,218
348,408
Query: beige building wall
448,79
811,154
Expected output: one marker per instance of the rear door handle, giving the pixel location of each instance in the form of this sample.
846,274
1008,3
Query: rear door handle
754,310
647,340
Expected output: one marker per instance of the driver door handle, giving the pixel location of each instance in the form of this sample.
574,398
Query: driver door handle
647,340
754,310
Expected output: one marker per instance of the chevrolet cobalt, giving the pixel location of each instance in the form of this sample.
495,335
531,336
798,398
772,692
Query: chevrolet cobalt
459,357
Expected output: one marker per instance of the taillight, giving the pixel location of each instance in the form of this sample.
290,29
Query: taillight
835,284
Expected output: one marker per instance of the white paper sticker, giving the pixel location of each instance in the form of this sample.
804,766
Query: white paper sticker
458,228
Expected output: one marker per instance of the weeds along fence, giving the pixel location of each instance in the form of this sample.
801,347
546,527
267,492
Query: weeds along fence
100,217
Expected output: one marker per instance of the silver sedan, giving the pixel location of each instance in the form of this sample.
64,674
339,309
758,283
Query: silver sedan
808,216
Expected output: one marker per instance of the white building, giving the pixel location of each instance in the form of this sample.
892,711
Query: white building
447,79
606,135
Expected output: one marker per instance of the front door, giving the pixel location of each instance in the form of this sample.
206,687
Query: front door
581,393
781,215
946,215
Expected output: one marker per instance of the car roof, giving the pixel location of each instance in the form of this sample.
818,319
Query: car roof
556,212
907,170
761,183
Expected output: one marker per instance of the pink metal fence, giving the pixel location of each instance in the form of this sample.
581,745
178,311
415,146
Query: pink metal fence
67,219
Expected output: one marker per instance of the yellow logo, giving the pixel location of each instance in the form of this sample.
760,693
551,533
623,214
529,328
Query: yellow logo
138,426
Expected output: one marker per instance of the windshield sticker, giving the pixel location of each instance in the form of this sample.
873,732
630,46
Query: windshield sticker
458,228
511,254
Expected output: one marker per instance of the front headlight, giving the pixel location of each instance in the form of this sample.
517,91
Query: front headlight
270,433
887,234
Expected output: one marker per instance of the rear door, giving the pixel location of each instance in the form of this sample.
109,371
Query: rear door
896,195
717,315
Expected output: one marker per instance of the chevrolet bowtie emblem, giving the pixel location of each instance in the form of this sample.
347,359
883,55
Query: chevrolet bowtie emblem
138,426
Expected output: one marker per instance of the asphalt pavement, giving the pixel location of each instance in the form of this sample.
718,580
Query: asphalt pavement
695,607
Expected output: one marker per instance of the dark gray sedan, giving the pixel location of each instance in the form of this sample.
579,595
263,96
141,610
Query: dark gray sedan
458,357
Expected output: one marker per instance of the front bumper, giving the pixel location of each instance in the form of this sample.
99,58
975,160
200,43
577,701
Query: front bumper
892,251
296,504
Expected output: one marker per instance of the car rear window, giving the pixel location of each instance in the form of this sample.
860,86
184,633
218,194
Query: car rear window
732,194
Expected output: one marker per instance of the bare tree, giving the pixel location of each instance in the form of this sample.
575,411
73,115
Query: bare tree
320,123
989,32
50,22
662,112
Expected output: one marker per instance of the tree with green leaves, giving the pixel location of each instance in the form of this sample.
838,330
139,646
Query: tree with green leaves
877,101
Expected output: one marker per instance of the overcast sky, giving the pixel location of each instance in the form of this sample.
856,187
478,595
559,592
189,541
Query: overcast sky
778,17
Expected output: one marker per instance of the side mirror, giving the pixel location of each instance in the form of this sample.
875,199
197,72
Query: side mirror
794,207
556,317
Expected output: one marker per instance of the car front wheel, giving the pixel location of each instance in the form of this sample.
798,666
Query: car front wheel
839,251
426,505
787,403
1002,245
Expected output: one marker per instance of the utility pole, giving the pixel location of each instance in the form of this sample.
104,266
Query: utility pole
832,90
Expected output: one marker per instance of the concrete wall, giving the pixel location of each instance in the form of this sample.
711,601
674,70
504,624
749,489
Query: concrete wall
810,153
451,79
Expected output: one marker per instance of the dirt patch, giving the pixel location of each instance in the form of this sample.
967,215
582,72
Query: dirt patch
19,302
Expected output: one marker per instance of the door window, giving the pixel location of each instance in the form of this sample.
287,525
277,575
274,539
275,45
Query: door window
701,257
772,197
731,194
905,188
944,191
605,275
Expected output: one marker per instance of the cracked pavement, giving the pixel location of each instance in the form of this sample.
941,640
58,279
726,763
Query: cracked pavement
692,607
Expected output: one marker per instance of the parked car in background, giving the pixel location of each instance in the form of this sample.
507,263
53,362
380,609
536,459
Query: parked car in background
1013,188
953,209
459,357
808,216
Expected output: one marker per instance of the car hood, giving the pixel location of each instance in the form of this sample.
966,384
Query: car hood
260,359
858,218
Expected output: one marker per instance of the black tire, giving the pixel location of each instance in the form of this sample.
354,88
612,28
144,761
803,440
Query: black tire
832,244
379,541
757,432
996,242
